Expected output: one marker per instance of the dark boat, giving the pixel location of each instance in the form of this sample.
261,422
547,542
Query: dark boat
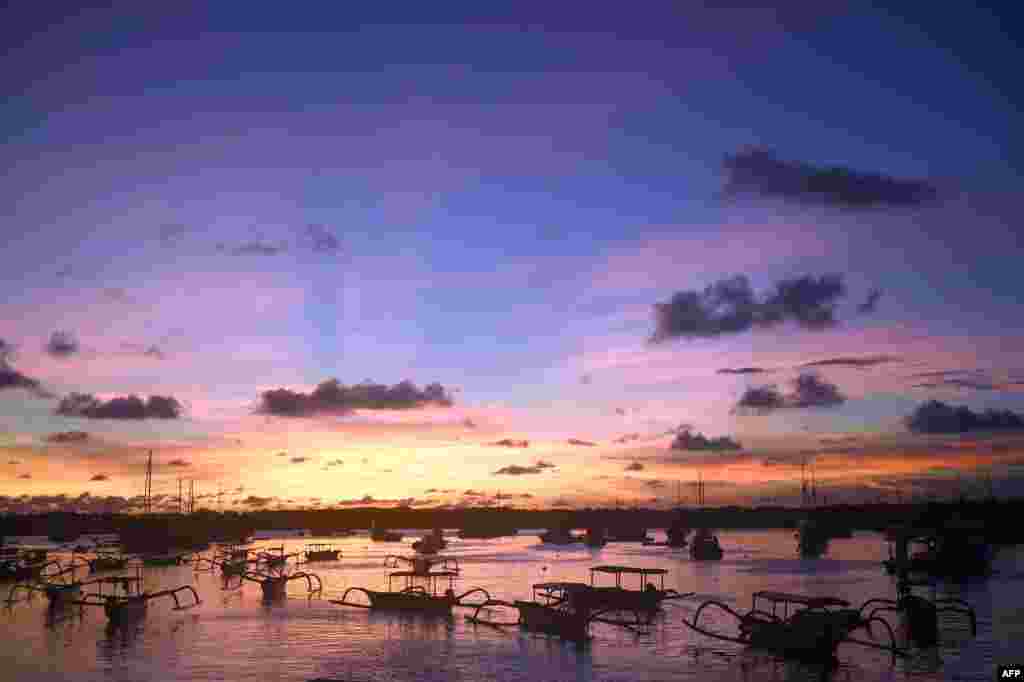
812,538
705,546
595,537
957,550
628,535
432,543
322,552
420,594
561,535
125,602
384,535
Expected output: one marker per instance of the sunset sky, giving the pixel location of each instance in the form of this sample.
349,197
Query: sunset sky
207,205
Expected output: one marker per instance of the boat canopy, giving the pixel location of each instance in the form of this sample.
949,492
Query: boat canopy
802,599
619,571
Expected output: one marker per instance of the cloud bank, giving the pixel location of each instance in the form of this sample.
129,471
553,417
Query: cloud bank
333,397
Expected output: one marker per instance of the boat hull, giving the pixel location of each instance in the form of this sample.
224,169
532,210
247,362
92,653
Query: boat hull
405,601
552,621
323,555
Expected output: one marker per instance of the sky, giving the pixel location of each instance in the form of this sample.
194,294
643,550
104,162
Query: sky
602,231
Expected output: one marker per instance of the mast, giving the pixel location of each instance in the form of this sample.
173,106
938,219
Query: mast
148,497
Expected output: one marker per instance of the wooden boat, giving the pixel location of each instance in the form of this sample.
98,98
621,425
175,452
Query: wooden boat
274,584
705,546
274,557
126,602
628,535
958,550
319,551
420,593
163,559
595,537
560,536
384,535
107,561
811,633
25,564
920,615
558,608
431,543
812,538
421,564
642,602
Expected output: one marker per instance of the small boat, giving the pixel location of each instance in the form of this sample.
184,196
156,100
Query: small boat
320,551
705,546
420,593
126,602
812,538
107,561
628,535
274,557
22,564
421,564
811,633
384,535
162,559
341,533
274,584
560,536
432,543
595,537
558,608
486,532
958,550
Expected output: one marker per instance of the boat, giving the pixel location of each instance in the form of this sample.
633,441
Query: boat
274,583
487,531
319,551
595,537
274,557
567,609
920,615
341,533
432,543
561,535
420,593
628,535
21,564
957,550
169,559
705,546
812,633
384,535
812,538
107,561
125,601
421,564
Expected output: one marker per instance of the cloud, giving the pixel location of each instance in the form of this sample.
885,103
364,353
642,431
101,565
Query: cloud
938,417
809,390
870,304
474,493
742,370
297,460
335,463
628,438
332,397
654,484
281,454
511,443
321,240
759,173
577,441
181,463
62,345
256,501
586,379
122,407
970,379
688,441
635,466
100,477
729,306
147,351
68,437
859,362
516,470
620,411
25,477
541,464
469,423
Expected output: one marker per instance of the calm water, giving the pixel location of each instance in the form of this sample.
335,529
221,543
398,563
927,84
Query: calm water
232,635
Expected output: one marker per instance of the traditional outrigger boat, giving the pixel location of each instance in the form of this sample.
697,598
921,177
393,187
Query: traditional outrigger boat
169,559
420,593
126,602
814,630
107,561
567,609
274,557
275,583
384,535
812,538
319,551
705,546
421,565
60,587
562,535
432,543
21,564
959,550
920,614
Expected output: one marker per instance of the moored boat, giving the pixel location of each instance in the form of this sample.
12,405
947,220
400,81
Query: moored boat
320,551
705,546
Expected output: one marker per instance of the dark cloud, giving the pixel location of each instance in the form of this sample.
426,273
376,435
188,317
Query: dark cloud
335,463
511,443
759,173
469,423
297,460
25,476
541,464
62,344
281,454
474,493
149,351
654,484
321,240
171,233
689,441
870,304
970,380
730,306
254,248
13,461
585,443
741,370
117,294
100,477
68,437
122,407
256,501
809,390
621,411
859,362
83,504
635,466
332,397
628,438
179,463
516,470
365,499
937,417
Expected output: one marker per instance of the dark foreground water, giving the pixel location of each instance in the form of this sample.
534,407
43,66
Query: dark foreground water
232,635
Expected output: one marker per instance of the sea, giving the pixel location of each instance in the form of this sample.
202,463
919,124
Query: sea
233,635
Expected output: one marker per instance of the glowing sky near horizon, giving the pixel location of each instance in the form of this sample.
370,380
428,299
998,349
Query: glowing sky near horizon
510,193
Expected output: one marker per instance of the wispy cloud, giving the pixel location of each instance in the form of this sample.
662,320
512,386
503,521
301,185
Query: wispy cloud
62,344
857,362
808,390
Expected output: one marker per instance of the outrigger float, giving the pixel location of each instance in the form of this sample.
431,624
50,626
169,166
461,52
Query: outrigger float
320,551
58,587
812,633
420,594
920,615
431,543
126,602
420,564
567,609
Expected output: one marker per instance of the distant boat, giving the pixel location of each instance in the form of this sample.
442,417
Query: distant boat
559,536
628,535
595,537
432,543
812,538
384,535
677,532
705,546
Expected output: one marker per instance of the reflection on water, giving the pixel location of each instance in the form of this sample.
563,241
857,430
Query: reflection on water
234,635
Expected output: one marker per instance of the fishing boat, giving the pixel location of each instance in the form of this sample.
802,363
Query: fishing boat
274,583
341,533
107,561
420,593
625,534
812,632
557,608
384,535
562,535
919,614
595,537
125,601
319,551
812,538
486,531
169,559
705,546
21,564
432,543
958,550
642,602
274,557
